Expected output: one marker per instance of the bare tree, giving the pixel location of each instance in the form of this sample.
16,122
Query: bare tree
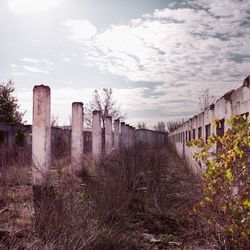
54,121
172,125
141,125
103,101
161,127
206,99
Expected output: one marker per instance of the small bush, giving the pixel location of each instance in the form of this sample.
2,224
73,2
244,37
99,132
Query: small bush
20,138
226,202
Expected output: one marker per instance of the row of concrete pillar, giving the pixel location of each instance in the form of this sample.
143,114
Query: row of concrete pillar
117,135
122,138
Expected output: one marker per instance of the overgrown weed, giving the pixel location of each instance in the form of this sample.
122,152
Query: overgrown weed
147,190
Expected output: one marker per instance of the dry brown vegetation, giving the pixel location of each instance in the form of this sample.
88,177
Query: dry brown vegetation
139,199
14,156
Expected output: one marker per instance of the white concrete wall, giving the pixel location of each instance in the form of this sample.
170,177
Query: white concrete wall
235,102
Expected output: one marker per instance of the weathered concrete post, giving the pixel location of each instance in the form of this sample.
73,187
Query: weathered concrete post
116,134
133,137
130,136
96,135
77,138
108,135
43,193
41,136
127,136
122,135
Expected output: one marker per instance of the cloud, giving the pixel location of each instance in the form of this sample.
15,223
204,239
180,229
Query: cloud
80,30
66,60
181,50
35,70
175,46
202,44
19,74
38,61
28,6
42,66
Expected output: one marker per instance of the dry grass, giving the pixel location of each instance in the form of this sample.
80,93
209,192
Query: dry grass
15,155
137,192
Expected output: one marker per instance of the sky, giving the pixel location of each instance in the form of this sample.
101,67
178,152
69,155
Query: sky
157,55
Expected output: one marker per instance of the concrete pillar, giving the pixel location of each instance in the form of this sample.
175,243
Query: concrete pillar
96,135
130,136
122,135
133,137
126,137
116,134
108,135
77,137
41,136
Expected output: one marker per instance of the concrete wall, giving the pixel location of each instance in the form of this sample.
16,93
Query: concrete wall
9,134
150,137
234,102
60,138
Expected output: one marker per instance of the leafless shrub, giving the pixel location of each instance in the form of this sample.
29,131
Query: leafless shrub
206,99
160,126
103,101
172,125
142,125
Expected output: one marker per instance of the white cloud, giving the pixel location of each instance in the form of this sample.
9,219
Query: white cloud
42,66
66,60
204,45
42,61
28,6
170,46
30,60
20,74
35,69
80,30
